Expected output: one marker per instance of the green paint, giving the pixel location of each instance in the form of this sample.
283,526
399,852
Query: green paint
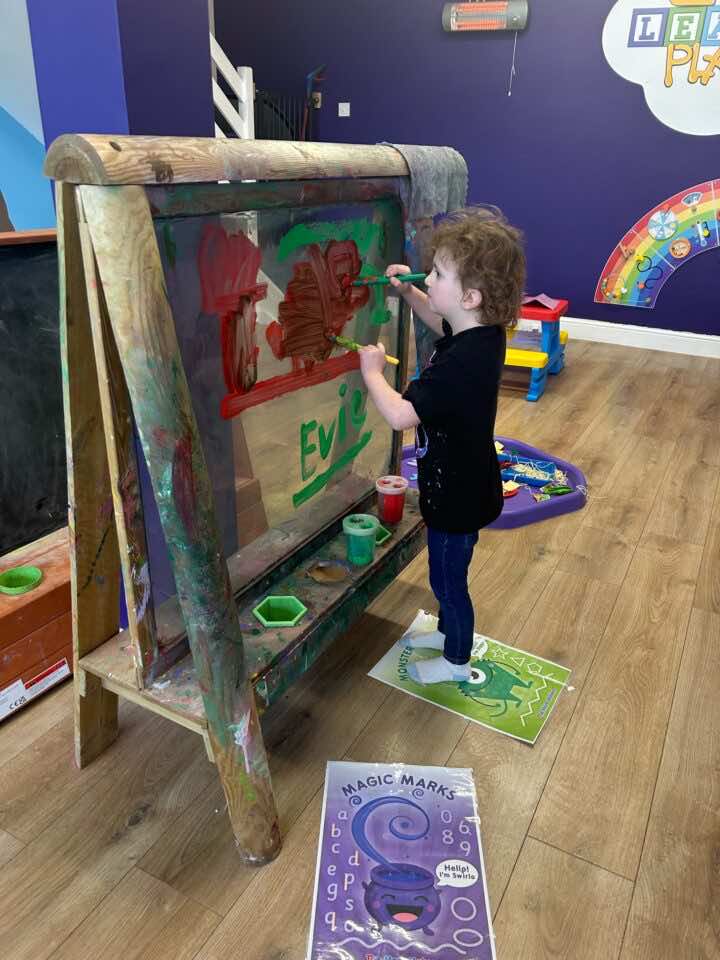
358,411
360,550
169,242
307,448
360,530
246,785
325,441
326,435
379,313
321,480
363,232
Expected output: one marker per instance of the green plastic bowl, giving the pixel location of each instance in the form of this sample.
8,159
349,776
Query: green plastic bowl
280,611
20,580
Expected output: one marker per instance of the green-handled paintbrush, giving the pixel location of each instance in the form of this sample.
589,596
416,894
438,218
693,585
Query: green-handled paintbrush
383,281
351,345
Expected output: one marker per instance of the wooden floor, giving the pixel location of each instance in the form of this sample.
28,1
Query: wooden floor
602,841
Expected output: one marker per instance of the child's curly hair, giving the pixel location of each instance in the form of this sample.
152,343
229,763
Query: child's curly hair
488,254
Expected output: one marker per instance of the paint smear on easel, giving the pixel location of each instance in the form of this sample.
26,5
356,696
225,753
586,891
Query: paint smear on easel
183,484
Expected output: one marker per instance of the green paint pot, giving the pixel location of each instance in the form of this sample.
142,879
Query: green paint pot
381,535
20,580
360,531
279,611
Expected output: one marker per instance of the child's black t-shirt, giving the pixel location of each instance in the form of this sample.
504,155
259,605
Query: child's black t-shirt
455,398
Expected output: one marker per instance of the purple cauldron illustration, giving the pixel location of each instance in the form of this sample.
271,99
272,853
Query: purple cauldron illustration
398,893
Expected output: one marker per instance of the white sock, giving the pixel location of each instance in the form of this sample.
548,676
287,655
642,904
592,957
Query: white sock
425,640
438,670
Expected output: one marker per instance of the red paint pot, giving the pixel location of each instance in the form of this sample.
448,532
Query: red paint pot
391,498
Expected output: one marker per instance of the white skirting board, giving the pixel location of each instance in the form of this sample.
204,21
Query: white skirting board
649,338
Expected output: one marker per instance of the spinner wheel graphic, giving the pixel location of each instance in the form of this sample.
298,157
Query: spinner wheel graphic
662,225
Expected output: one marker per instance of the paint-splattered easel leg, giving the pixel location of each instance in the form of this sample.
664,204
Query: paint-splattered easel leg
94,561
121,229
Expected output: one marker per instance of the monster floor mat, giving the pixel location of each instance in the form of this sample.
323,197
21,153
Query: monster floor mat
509,690
400,872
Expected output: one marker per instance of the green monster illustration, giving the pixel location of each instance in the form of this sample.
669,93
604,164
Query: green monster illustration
491,682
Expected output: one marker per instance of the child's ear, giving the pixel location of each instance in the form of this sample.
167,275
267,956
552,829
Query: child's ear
472,299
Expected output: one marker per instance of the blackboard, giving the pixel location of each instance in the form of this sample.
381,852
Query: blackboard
33,478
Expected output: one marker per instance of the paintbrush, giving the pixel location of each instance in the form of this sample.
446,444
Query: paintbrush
351,345
383,281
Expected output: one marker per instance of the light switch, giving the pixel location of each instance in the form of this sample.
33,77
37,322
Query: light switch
343,109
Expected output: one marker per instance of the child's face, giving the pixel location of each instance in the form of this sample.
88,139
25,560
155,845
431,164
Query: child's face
445,291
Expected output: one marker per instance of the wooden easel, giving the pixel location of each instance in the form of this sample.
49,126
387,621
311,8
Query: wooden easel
121,361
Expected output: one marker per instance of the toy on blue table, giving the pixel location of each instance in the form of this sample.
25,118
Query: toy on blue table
535,473
531,472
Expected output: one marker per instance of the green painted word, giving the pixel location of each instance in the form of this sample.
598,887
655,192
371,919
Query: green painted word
317,441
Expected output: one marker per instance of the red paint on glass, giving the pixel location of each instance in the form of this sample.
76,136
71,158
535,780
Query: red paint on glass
274,336
319,301
228,266
289,382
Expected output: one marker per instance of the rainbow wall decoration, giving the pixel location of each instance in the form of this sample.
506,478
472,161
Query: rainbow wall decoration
670,235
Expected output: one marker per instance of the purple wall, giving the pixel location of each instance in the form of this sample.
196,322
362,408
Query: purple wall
166,60
122,66
76,48
574,157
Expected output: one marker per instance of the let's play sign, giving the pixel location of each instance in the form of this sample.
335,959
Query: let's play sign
672,49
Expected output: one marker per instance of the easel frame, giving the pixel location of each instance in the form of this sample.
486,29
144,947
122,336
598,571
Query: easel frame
116,322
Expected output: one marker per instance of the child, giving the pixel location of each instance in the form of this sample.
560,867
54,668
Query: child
474,293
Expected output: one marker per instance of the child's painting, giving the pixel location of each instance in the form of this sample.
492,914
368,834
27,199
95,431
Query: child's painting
287,432
400,869
509,690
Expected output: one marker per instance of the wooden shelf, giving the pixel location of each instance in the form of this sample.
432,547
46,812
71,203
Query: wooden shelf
36,627
13,238
275,657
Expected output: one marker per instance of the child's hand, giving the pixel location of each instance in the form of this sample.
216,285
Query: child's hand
395,272
372,359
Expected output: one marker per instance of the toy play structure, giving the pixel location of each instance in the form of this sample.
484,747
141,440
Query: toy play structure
668,236
532,354
216,435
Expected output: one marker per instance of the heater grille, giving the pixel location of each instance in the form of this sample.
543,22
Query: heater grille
486,15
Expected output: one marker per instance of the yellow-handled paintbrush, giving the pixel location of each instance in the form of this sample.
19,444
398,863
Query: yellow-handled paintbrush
351,345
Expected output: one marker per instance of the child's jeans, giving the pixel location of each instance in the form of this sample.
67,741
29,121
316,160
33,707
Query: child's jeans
449,556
